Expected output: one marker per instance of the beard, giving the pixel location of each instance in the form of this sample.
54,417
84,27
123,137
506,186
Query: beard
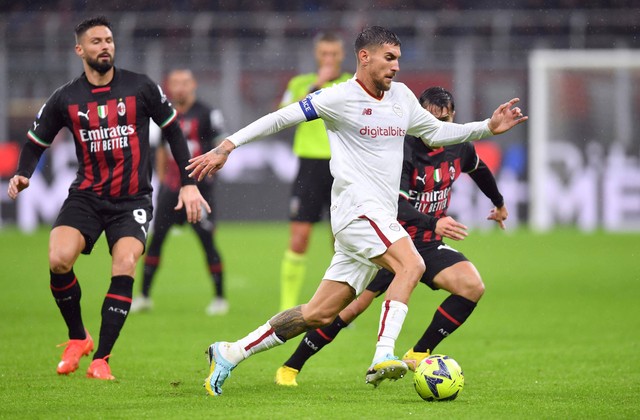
100,66
381,85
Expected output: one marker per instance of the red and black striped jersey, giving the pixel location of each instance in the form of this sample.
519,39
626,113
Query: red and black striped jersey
202,127
110,126
427,177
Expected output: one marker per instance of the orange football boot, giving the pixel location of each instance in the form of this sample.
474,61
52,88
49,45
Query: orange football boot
100,369
73,352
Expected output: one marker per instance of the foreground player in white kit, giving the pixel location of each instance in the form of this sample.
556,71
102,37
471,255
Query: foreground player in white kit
366,118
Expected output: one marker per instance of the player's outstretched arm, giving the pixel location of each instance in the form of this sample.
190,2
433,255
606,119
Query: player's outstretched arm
211,162
505,117
448,227
16,184
499,214
192,201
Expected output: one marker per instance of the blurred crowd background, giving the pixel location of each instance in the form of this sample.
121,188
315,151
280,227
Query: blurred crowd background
244,52
308,5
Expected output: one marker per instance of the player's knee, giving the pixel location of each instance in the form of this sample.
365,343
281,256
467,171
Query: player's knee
321,321
472,287
319,318
413,270
124,265
60,262
419,267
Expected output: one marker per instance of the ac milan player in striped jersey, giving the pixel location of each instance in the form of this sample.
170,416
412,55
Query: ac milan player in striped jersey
427,177
202,127
367,118
107,110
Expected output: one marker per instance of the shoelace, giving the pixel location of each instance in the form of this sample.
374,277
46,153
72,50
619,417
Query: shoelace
69,343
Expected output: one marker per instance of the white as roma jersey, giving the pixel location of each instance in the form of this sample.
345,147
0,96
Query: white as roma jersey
366,136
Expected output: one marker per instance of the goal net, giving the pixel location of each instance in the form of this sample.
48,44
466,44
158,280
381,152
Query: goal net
584,139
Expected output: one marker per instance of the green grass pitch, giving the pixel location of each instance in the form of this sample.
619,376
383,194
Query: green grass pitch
557,334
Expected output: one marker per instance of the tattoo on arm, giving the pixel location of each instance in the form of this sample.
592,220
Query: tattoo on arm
289,323
220,151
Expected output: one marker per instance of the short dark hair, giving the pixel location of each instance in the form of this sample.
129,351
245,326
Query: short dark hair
439,97
375,35
87,24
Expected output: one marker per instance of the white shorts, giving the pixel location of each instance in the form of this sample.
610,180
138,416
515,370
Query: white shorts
364,238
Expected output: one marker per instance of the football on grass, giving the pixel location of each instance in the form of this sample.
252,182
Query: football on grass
438,378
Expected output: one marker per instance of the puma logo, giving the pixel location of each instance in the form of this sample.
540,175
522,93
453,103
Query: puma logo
422,178
84,114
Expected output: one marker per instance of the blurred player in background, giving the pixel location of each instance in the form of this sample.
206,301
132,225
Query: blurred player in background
202,127
107,109
425,194
367,118
311,193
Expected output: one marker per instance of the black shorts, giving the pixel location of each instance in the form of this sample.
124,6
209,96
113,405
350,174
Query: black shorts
167,199
91,215
311,191
436,255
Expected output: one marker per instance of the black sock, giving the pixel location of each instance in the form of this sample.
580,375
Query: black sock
66,291
216,277
313,342
452,313
114,312
150,267
214,262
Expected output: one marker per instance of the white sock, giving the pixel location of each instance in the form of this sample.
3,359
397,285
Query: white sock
391,320
261,339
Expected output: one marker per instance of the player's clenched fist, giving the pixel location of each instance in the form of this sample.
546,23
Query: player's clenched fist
17,184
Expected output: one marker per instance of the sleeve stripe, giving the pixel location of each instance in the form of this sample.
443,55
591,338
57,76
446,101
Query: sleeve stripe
169,120
476,165
32,136
308,109
477,162
404,194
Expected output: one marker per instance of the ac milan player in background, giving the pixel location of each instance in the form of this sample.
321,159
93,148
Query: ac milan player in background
425,194
202,127
367,118
107,109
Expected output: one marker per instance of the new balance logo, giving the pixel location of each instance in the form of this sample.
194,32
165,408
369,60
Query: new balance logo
367,111
84,114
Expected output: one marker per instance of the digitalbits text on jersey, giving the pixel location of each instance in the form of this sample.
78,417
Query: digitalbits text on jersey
374,132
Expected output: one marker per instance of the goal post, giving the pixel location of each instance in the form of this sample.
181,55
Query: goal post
584,139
